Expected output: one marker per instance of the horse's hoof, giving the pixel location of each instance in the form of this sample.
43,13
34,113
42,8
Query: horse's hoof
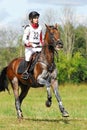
65,114
20,115
48,103
20,118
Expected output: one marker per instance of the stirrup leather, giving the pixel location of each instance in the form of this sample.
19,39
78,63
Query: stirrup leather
25,75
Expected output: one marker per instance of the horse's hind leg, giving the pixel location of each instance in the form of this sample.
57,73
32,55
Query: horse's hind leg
16,95
24,92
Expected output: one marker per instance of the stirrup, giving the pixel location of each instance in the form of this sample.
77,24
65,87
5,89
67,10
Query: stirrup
25,75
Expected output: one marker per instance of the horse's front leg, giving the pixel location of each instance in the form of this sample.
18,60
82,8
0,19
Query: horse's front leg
16,95
49,97
54,84
44,79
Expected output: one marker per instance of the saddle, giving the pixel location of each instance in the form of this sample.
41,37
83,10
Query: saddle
23,65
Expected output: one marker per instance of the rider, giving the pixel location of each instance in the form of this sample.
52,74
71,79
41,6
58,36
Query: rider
32,38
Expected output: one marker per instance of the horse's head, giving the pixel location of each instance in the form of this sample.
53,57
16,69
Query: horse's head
53,37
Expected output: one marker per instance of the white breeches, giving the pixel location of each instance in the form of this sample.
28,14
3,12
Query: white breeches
29,51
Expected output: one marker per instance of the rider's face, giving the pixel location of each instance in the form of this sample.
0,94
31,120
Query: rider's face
35,20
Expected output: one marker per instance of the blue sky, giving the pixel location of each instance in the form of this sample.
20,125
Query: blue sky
14,11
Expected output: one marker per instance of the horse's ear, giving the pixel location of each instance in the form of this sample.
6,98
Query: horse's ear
47,26
56,25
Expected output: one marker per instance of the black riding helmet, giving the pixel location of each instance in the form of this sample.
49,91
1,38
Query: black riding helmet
33,14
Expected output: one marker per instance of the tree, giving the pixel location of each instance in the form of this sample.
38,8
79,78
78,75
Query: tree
8,37
68,34
20,46
80,42
49,17
8,46
86,39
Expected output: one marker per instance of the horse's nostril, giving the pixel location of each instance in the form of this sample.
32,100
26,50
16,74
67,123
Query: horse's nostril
60,44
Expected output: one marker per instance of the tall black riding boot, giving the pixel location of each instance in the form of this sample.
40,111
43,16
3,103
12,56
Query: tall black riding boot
25,74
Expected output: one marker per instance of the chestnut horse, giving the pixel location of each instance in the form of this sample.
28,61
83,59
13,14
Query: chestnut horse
44,66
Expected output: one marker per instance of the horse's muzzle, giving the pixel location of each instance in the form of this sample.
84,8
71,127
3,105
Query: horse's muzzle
59,44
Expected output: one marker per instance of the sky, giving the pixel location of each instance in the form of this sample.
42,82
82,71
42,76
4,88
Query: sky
12,12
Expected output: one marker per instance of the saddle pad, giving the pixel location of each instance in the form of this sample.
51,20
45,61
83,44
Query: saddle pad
22,67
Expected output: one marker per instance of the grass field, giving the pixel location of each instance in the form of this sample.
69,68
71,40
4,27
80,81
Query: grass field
38,117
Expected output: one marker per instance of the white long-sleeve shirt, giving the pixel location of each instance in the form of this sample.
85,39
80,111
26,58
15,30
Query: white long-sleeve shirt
32,35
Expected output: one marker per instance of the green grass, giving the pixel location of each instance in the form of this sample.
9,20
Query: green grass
38,117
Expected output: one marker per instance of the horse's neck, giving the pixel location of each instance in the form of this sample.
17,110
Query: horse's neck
47,54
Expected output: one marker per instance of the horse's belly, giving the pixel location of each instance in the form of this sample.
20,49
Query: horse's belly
37,86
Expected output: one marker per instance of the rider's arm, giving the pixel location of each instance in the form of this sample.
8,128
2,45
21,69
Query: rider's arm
26,36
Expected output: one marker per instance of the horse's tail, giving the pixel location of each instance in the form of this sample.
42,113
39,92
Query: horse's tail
3,80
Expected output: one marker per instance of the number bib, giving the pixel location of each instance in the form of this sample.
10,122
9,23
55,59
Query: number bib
34,34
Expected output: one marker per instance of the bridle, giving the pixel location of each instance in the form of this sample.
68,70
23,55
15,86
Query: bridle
53,41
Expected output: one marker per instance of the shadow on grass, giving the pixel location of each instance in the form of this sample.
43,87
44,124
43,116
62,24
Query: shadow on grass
64,120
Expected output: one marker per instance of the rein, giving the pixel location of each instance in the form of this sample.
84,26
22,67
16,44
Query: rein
56,52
